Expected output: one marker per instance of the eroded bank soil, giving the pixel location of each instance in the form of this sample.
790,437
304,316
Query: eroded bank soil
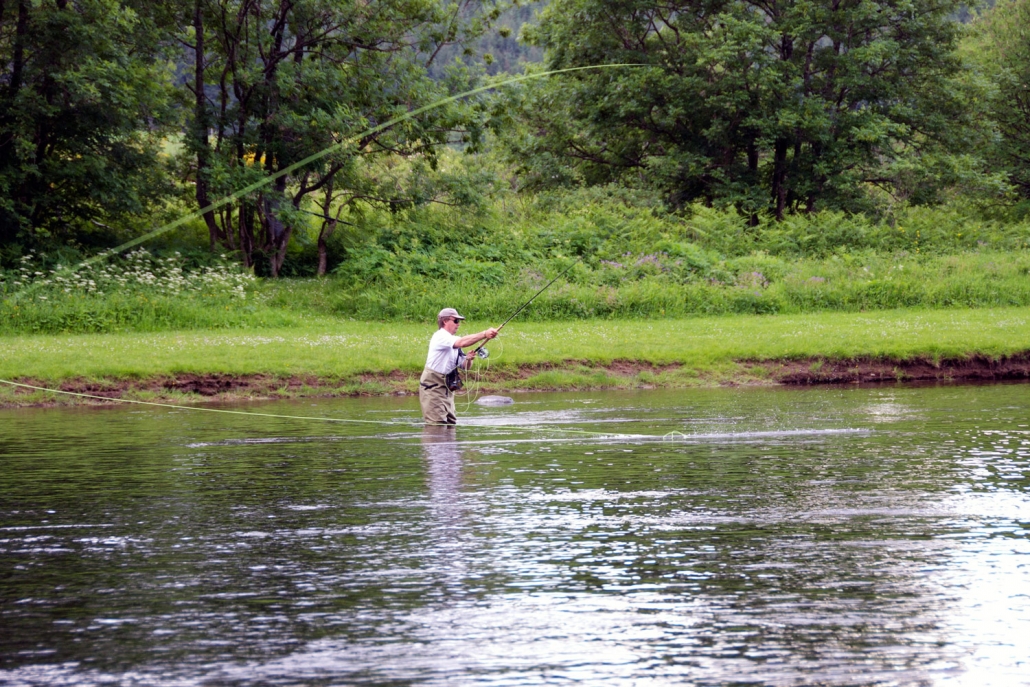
567,375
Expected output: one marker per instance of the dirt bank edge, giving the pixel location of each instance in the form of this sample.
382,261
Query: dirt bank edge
565,375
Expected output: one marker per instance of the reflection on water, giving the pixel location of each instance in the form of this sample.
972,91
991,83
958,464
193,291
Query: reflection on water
446,539
820,536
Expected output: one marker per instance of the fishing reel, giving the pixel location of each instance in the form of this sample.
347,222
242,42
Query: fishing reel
465,359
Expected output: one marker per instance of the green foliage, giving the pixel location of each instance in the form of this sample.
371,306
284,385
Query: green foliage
636,262
140,292
297,78
749,285
774,106
999,47
82,103
628,261
606,234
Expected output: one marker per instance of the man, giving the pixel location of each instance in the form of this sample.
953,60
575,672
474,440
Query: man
445,355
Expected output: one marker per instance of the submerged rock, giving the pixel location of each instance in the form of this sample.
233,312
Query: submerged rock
495,401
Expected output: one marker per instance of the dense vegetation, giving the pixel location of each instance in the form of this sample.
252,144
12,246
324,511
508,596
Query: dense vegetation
766,157
767,106
626,261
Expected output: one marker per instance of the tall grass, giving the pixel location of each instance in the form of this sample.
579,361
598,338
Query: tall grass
760,285
493,247
630,260
138,292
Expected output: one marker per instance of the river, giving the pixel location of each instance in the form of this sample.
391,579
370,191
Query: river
839,536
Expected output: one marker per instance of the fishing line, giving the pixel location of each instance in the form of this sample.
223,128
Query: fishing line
481,351
200,408
289,417
480,366
251,188
673,436
475,380
247,190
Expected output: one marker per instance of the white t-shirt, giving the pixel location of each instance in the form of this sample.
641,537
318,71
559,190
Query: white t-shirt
443,356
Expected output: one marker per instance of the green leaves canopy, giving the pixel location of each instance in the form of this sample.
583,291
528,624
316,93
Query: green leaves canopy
777,104
81,103
275,81
1000,44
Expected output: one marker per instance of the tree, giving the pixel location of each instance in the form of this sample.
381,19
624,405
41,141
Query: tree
274,81
772,105
1000,44
82,102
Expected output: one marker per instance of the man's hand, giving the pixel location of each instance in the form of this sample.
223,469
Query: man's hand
490,333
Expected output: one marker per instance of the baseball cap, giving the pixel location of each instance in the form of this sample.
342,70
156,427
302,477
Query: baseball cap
450,312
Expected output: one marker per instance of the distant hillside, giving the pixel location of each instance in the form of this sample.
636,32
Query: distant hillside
507,52
499,51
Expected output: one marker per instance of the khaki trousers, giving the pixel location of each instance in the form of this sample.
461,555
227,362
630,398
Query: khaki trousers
436,399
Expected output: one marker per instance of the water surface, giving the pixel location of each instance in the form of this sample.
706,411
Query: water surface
760,536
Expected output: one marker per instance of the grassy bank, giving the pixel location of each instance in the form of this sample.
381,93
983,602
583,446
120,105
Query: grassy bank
757,284
627,261
359,356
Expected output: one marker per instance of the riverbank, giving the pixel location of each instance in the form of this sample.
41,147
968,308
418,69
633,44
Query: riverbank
567,375
334,358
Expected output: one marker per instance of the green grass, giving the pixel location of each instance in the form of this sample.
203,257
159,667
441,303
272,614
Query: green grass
754,285
760,285
341,350
628,262
757,284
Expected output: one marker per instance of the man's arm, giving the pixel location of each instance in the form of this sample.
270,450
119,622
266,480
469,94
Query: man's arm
470,339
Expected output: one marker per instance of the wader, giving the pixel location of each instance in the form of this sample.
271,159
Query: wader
436,399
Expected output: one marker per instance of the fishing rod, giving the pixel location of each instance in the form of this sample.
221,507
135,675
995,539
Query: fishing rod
481,351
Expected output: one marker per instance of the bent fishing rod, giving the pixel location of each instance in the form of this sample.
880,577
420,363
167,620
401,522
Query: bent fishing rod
481,351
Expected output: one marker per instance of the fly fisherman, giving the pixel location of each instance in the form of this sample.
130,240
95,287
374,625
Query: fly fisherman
445,355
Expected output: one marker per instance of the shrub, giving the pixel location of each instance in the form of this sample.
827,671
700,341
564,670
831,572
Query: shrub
139,291
627,260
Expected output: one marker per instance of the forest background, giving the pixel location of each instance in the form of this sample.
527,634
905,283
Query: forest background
780,156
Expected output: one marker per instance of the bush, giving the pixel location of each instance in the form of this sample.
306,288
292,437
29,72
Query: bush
139,292
627,260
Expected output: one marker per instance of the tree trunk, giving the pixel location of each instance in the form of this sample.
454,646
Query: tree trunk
323,256
201,129
7,147
820,185
278,232
225,222
780,147
18,65
323,246
779,177
752,168
246,225
279,245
